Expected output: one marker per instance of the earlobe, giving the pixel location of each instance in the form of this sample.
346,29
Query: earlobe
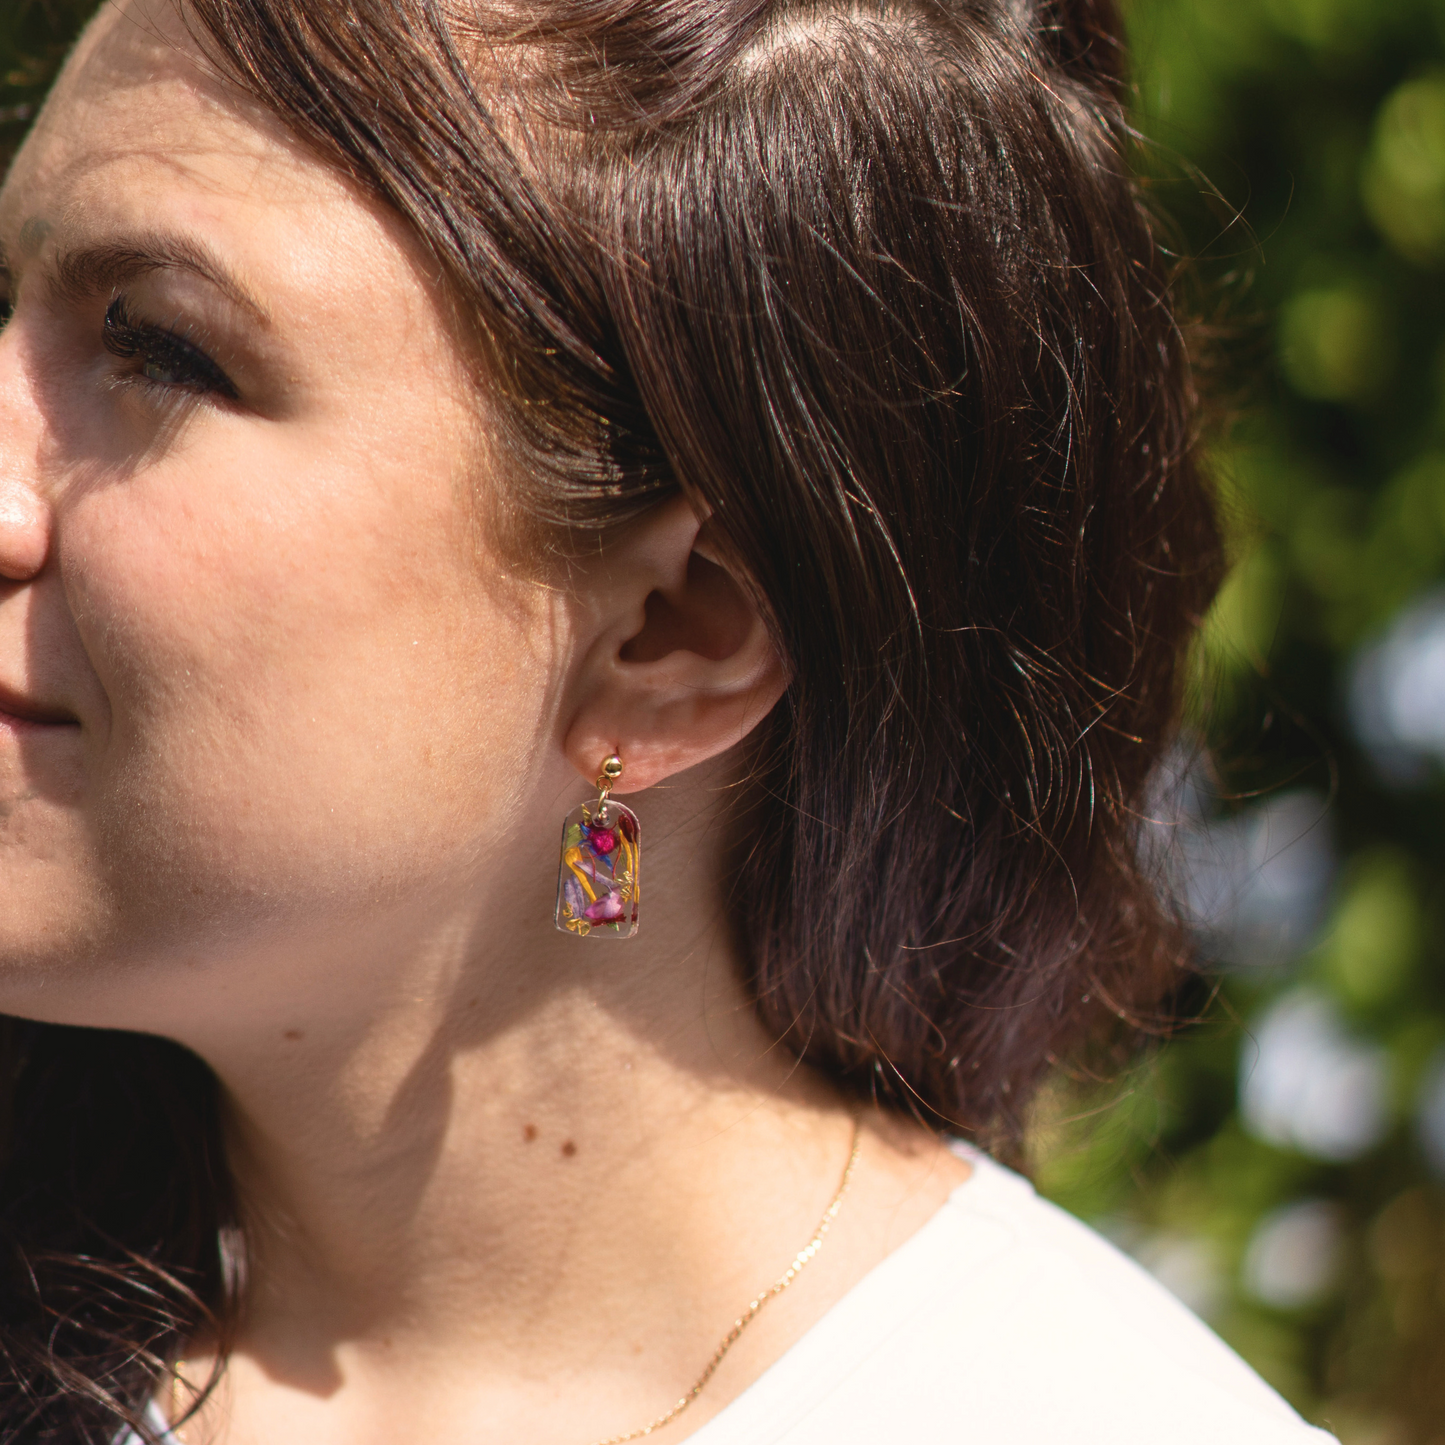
687,667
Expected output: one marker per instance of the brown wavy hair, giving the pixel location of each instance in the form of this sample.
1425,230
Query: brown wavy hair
871,283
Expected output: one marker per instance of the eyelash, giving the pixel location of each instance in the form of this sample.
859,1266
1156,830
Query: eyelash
165,360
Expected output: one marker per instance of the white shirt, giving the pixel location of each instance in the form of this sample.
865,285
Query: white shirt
1005,1321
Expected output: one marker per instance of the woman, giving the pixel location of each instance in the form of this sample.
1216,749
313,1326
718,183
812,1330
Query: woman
762,427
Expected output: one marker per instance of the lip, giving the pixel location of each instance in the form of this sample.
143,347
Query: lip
17,710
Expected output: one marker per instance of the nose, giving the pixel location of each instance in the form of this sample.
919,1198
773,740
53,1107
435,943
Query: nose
25,514
24,530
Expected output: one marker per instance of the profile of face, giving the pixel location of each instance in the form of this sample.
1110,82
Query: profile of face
267,685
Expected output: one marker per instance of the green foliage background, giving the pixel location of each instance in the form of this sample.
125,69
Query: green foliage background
1320,125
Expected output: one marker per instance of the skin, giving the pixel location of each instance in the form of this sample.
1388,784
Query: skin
284,746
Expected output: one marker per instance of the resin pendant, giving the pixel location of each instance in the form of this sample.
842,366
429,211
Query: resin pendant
597,884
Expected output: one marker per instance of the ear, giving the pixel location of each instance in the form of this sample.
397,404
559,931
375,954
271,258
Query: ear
677,665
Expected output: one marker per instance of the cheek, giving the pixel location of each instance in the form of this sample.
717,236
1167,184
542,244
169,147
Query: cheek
314,700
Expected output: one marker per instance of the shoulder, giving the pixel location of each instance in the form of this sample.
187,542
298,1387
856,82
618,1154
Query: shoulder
1006,1320
1099,1348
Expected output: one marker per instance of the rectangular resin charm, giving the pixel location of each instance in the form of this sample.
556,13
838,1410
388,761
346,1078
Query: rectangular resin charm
597,884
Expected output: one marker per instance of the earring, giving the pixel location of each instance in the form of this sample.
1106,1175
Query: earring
597,883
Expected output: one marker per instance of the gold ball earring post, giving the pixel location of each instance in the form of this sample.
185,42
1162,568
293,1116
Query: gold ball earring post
611,772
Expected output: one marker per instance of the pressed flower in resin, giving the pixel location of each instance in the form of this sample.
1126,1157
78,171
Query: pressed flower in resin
597,883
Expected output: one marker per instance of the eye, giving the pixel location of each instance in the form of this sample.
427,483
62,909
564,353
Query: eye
161,357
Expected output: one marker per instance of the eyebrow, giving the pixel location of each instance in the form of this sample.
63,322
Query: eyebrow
87,271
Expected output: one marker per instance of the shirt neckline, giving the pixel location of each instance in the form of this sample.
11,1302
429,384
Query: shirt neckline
856,1325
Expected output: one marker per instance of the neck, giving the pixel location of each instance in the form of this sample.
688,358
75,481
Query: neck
562,1159
507,1177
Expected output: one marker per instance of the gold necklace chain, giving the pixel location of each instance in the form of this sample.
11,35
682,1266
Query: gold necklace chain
804,1257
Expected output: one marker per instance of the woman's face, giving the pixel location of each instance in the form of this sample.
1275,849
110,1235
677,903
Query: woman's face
258,672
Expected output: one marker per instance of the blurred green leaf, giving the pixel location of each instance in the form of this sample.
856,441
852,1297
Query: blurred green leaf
1337,344
1374,939
1404,180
